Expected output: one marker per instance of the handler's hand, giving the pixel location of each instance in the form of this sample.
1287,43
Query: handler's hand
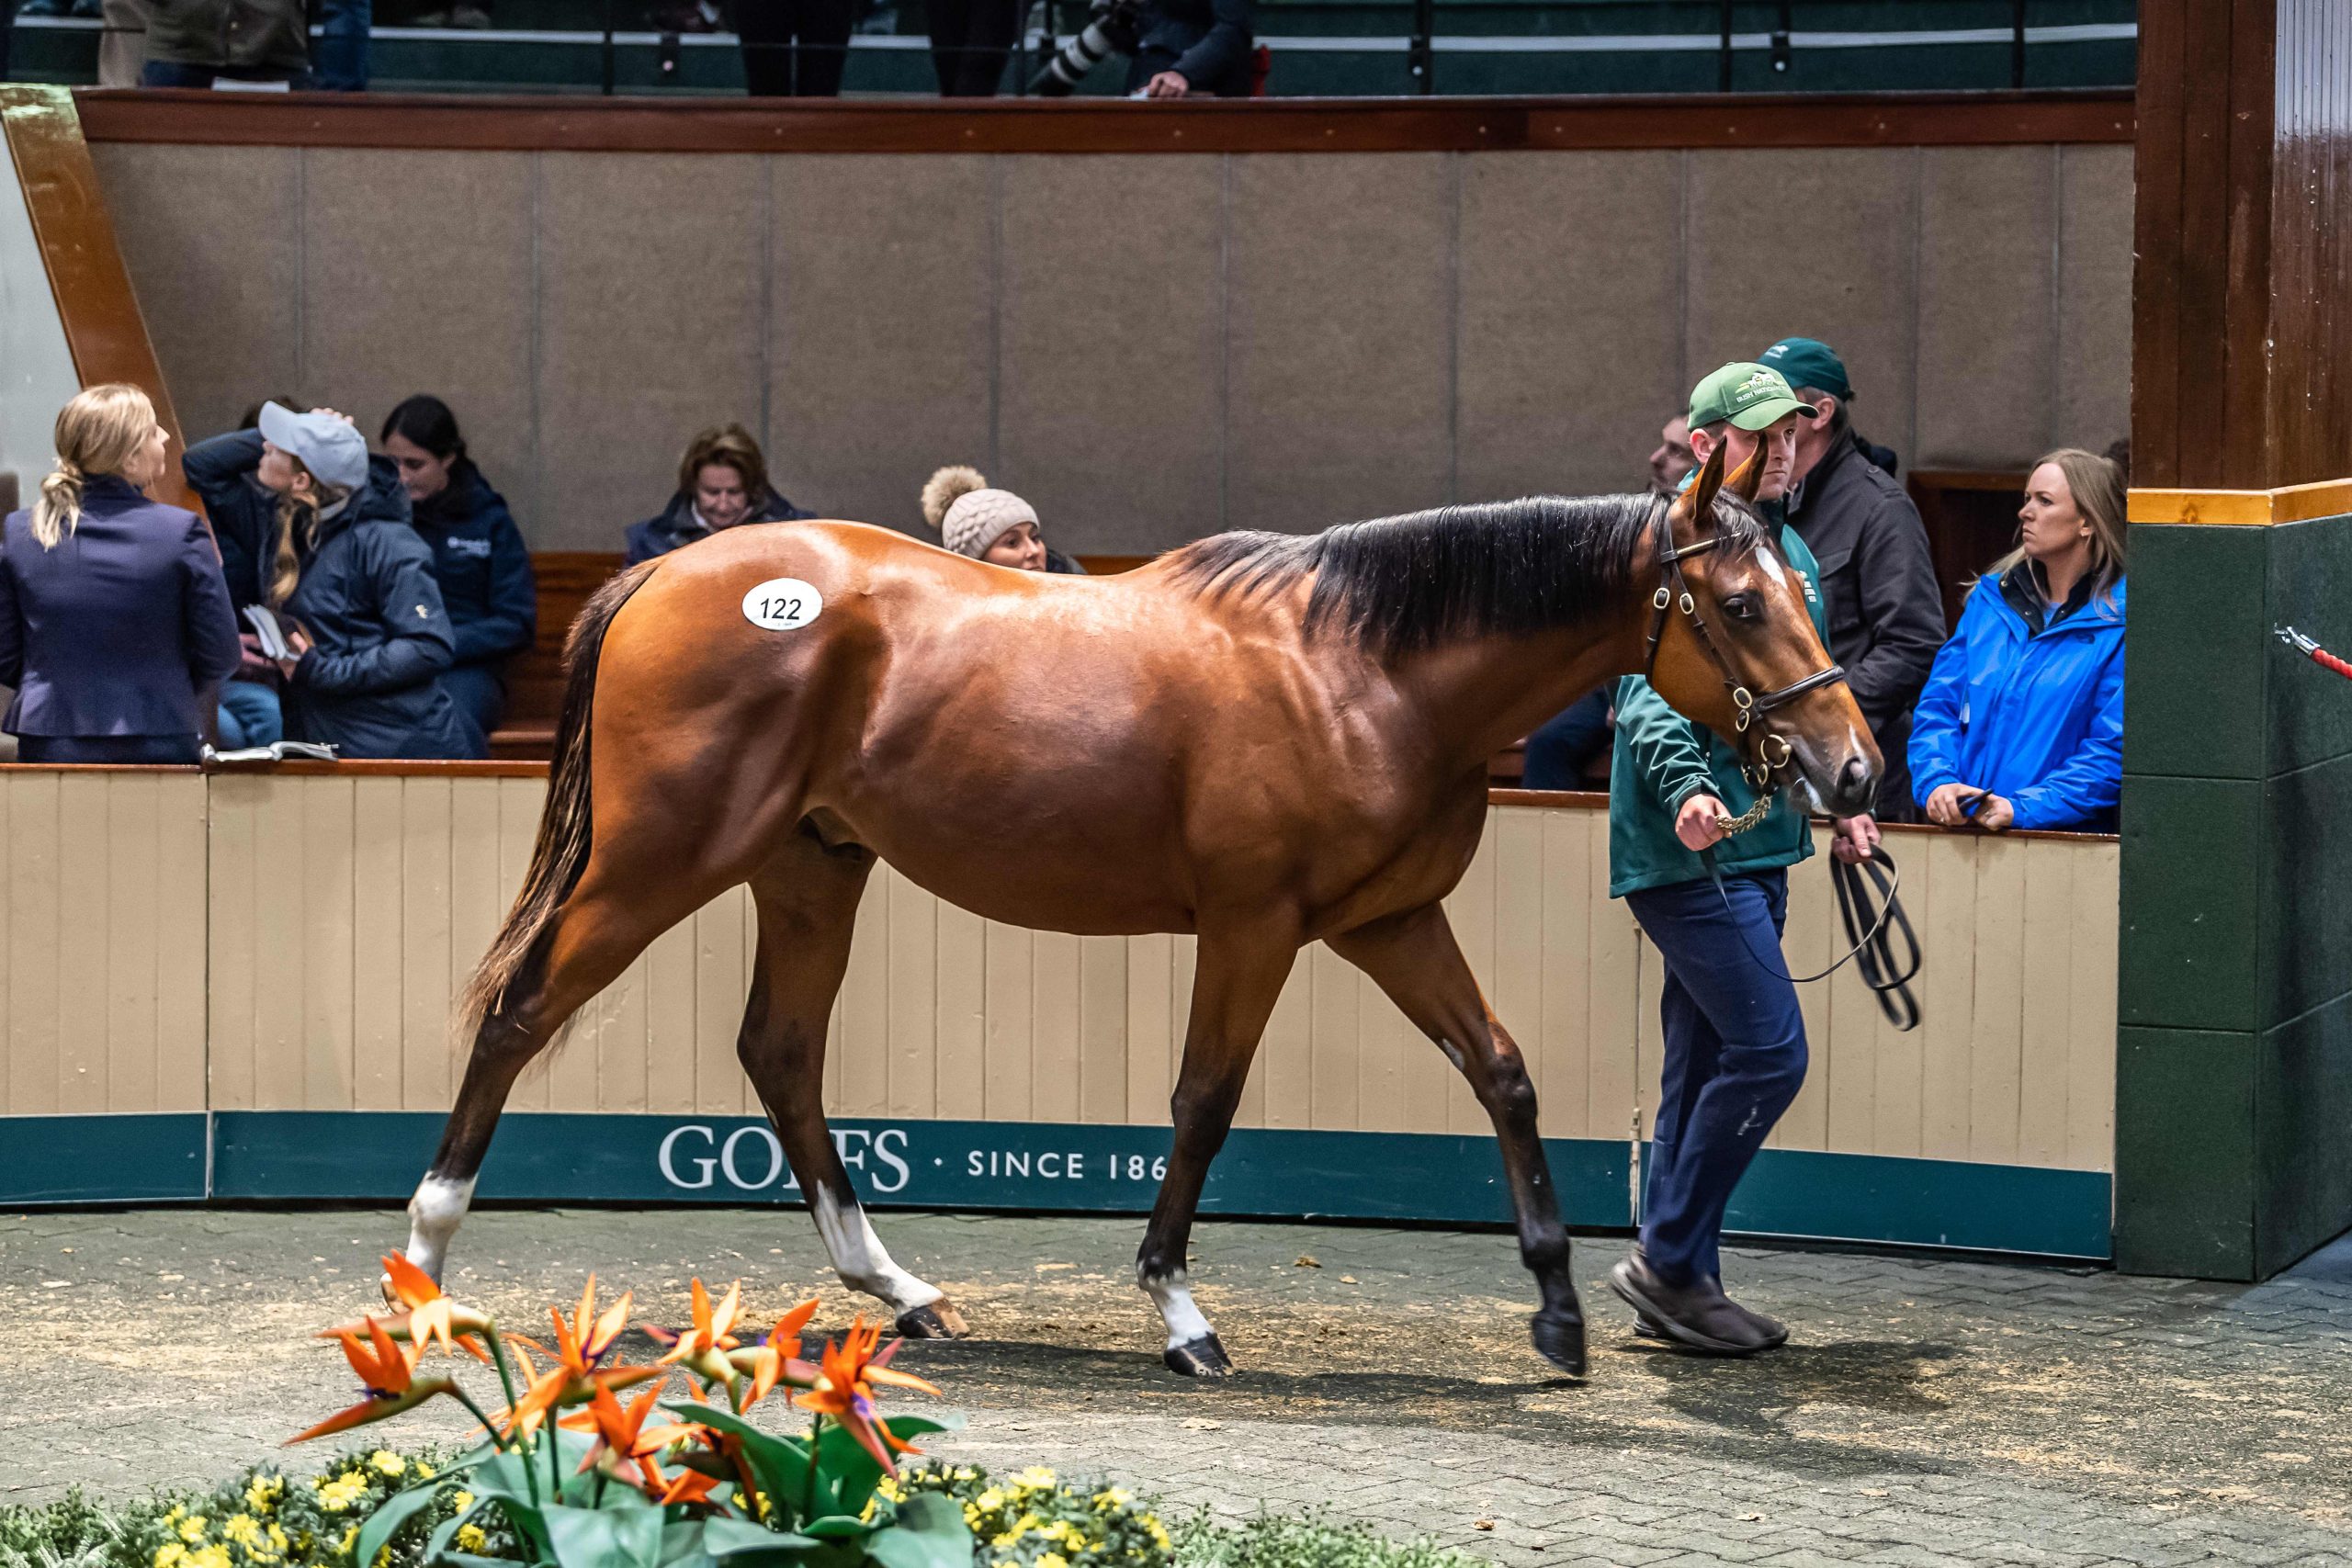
1995,814
250,662
1695,823
1944,805
1167,84
1856,837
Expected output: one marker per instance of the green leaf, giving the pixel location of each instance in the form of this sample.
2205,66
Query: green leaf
396,1511
590,1537
838,1526
930,1533
843,1459
729,1538
473,1559
779,1465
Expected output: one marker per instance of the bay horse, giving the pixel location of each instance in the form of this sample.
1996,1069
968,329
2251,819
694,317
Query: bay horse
1263,740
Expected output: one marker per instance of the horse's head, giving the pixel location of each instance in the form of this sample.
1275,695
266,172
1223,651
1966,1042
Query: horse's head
1733,647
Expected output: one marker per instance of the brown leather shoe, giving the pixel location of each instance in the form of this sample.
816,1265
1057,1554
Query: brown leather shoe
1698,1316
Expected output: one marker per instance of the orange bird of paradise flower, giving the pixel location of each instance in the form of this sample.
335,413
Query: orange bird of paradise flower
702,1349
771,1360
387,1371
844,1391
579,1372
428,1313
623,1436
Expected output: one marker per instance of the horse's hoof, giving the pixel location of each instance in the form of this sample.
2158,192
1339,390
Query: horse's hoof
932,1320
1202,1358
1559,1339
391,1297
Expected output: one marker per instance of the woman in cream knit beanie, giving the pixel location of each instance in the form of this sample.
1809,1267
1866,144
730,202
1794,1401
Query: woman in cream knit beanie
986,525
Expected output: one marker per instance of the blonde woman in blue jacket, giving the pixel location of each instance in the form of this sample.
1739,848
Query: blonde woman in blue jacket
2022,723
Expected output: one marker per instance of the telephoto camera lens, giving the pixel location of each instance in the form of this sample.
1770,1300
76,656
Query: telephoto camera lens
1110,30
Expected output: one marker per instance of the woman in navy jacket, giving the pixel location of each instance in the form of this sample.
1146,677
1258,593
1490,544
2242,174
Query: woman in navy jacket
479,557
369,632
2021,722
115,622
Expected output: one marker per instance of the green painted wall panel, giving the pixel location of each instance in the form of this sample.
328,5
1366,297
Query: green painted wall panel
2308,712
2191,699
2303,1134
2189,894
102,1159
2305,892
2184,1153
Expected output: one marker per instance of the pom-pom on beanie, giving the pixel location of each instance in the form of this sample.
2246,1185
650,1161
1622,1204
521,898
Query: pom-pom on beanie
967,513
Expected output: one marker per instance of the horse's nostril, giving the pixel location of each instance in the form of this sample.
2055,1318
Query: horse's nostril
1854,778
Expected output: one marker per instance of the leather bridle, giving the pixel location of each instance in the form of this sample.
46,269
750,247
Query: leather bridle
1674,593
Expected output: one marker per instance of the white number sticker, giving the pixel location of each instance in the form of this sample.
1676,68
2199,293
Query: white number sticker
783,605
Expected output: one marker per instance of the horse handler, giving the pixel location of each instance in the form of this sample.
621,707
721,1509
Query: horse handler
1735,1053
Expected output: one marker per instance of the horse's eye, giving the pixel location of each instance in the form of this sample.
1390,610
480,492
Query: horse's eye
1742,608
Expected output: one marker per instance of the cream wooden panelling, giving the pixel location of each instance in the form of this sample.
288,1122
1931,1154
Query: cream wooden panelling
345,913
102,943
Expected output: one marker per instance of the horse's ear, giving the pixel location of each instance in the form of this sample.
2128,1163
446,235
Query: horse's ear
1751,474
1699,501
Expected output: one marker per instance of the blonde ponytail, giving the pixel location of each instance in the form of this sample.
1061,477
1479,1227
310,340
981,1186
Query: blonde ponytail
99,432
59,511
298,528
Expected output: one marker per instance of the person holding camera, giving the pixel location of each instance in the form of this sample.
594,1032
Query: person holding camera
1193,49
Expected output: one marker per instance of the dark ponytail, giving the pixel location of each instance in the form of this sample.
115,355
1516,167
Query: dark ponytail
425,421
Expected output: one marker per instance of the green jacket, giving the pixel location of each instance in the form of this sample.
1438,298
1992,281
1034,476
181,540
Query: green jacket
1662,760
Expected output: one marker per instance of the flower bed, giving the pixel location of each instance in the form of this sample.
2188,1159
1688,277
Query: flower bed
566,1476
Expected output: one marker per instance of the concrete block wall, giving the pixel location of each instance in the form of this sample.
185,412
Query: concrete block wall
1150,347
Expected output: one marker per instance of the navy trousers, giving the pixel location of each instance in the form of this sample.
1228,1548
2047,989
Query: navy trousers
52,751
1734,1057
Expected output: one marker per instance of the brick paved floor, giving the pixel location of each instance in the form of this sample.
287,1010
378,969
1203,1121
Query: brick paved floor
1927,1411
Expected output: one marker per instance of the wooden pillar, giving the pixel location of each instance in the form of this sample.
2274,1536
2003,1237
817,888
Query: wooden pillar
2233,1084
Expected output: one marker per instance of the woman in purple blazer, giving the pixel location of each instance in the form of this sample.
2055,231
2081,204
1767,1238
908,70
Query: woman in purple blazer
114,622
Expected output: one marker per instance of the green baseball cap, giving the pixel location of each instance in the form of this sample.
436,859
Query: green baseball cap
1750,395
1809,362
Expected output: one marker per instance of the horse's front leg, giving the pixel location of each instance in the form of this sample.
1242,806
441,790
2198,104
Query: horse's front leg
1413,957
1235,985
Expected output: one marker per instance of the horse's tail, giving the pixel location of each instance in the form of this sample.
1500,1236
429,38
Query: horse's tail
565,824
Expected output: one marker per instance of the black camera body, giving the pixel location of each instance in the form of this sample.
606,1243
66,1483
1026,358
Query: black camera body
1113,28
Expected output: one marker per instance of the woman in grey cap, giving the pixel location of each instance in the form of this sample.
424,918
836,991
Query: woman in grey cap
368,631
993,525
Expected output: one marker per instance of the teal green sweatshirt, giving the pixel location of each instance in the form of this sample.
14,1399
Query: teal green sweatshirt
1662,760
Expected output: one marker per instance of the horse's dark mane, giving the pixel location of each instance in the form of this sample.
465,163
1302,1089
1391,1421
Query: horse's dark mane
1505,568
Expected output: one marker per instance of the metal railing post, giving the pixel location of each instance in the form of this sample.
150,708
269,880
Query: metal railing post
2017,43
611,62
1423,56
1722,71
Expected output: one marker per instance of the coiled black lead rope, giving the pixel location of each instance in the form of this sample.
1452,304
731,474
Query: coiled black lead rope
1871,950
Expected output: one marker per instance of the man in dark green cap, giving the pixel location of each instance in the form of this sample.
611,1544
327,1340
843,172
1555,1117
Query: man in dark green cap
1733,1035
1886,615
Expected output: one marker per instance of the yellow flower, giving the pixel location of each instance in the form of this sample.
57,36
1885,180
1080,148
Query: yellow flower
349,1537
990,1501
277,1541
1007,1539
336,1495
1036,1478
1026,1522
192,1529
212,1556
168,1555
425,1471
1159,1531
1053,1559
470,1539
242,1529
461,1499
889,1488
386,1462
1113,1497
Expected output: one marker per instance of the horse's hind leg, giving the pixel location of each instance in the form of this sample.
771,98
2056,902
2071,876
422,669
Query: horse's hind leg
609,918
1414,958
807,903
1239,979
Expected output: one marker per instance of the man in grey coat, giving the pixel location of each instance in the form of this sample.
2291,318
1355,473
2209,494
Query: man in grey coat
1878,581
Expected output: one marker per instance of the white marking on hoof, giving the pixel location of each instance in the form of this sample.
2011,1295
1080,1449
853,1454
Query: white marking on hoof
859,1257
1173,1297
434,1215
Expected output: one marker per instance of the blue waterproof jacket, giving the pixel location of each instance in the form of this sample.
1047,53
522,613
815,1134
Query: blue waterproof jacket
370,685
483,566
2035,717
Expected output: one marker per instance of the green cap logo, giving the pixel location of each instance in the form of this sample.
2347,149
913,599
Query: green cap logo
1745,394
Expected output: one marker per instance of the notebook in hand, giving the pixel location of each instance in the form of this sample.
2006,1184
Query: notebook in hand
272,634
